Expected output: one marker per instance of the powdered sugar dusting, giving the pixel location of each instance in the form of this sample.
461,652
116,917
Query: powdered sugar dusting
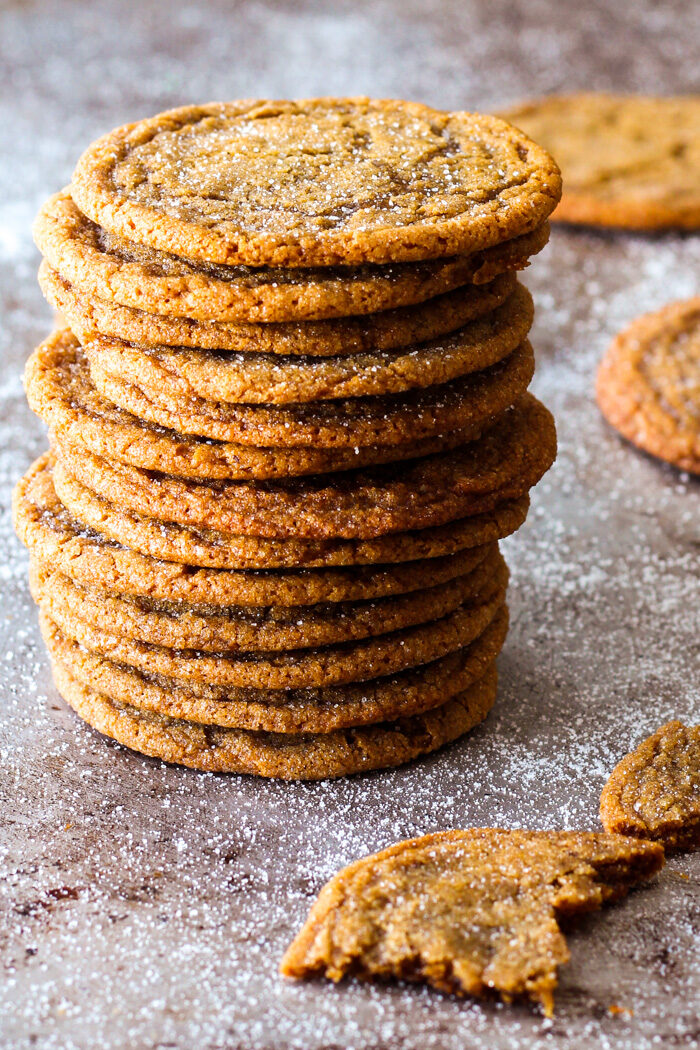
148,906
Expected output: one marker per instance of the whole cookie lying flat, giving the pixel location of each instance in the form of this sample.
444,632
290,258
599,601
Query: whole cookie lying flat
60,390
376,333
654,792
100,265
193,546
252,628
648,384
272,379
316,182
53,536
302,757
308,668
465,404
627,160
468,912
502,465
318,710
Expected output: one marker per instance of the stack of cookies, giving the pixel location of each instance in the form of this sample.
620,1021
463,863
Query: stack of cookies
289,424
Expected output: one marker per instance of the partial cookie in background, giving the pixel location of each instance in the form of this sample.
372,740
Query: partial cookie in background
654,792
627,160
469,912
648,384
316,182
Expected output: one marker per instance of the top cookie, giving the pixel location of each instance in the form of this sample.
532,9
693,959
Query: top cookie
317,182
628,161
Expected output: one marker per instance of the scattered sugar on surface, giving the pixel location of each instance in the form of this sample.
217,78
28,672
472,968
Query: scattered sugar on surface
148,906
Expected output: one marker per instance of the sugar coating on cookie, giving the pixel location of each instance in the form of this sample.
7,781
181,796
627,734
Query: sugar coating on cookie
102,266
654,792
627,160
648,383
316,182
468,912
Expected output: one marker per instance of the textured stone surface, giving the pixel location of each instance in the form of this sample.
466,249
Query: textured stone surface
147,906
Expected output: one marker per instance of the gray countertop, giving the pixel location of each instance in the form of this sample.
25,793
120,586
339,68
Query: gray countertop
146,906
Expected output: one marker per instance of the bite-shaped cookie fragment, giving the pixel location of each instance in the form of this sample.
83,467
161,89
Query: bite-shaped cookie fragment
654,792
468,912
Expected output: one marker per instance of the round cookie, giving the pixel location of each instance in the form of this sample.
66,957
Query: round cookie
316,182
188,545
284,710
627,160
288,669
369,334
60,390
302,757
271,379
100,265
253,628
502,465
53,536
465,404
648,384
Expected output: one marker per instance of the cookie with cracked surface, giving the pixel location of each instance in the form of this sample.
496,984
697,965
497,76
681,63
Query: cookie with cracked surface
627,161
648,384
370,334
61,391
319,710
654,792
502,465
320,181
53,535
187,545
273,379
254,628
103,266
465,404
308,668
304,756
469,912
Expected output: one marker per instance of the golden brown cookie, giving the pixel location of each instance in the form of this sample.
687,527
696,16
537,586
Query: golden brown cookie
648,384
254,628
654,792
465,404
53,536
374,333
61,392
102,266
468,912
502,465
627,160
316,182
305,756
309,668
272,379
318,710
192,546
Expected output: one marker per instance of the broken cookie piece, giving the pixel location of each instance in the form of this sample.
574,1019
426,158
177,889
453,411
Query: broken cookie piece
467,911
654,792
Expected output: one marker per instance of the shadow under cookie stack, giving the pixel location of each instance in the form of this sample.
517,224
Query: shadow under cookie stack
289,423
